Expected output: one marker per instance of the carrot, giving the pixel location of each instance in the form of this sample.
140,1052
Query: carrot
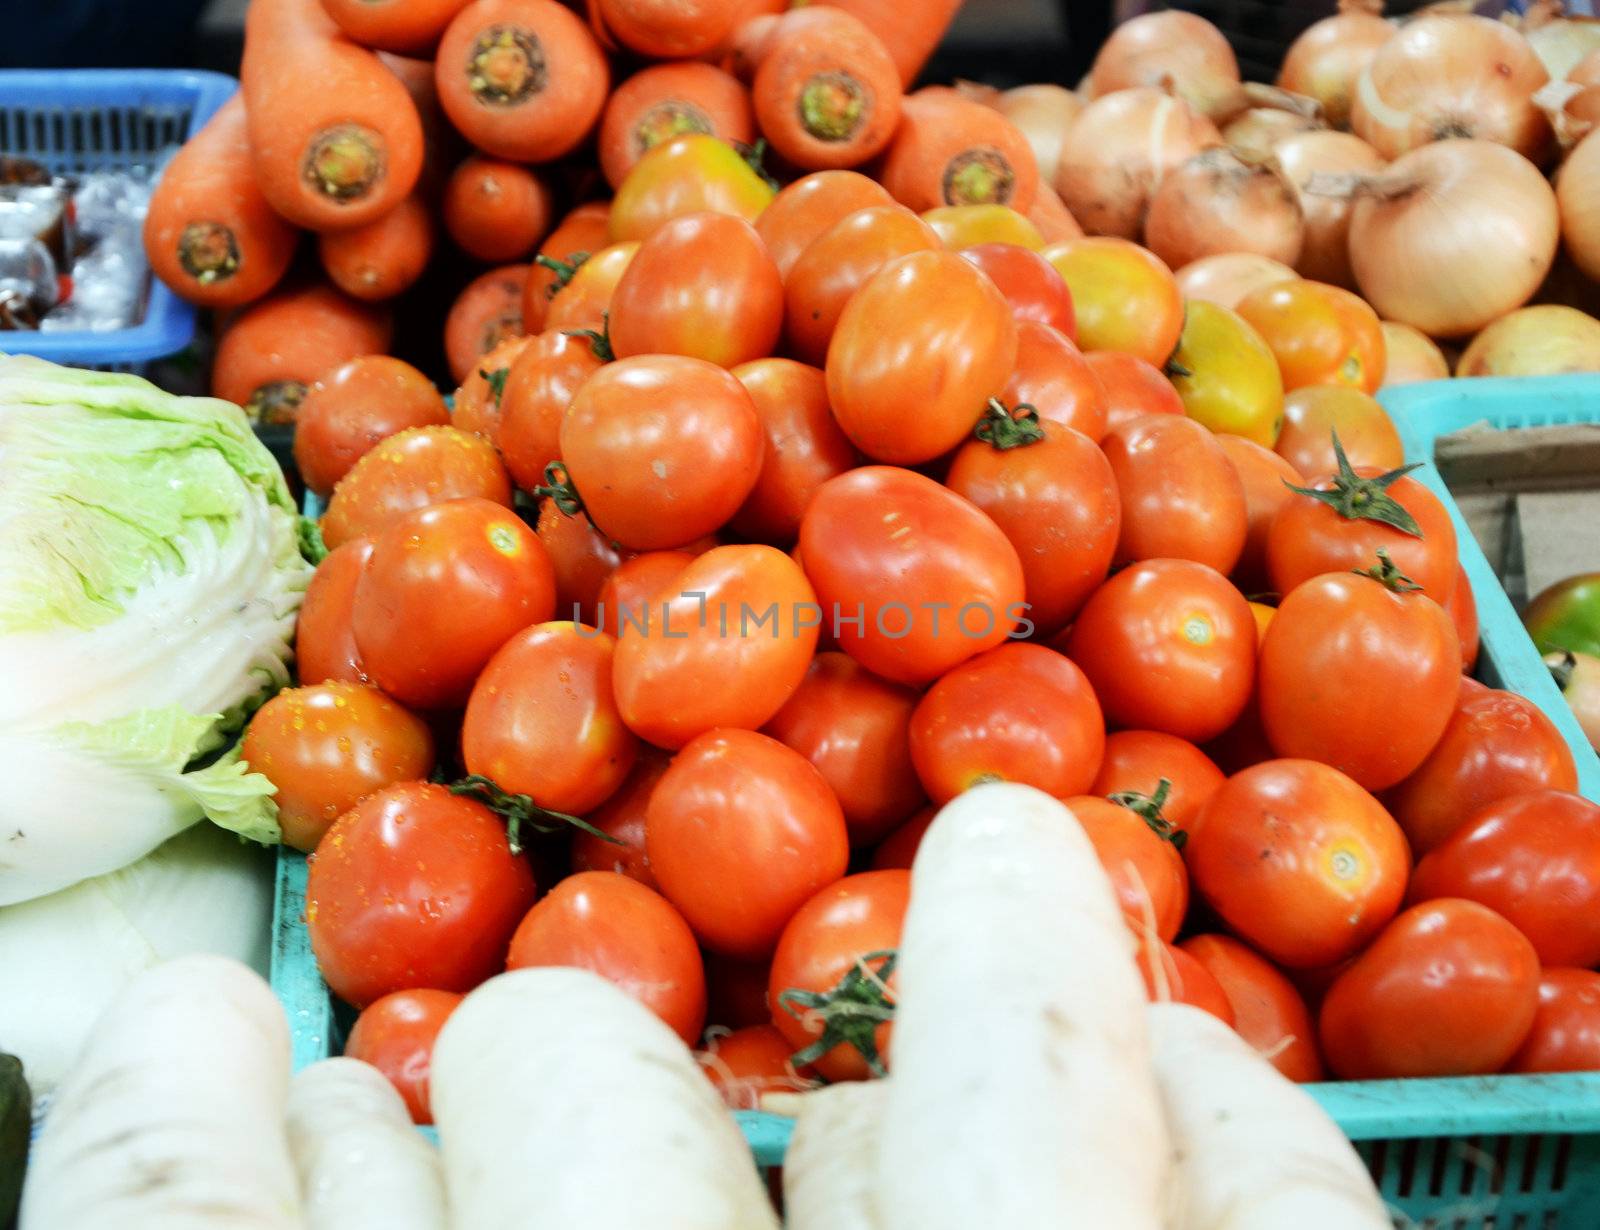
480,399
580,234
668,100
952,151
750,44
810,206
382,258
748,12
668,29
521,79
1051,215
496,211
394,25
440,140
209,233
336,138
826,94
275,349
909,29
487,312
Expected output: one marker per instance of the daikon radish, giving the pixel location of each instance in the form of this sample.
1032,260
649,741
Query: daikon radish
1021,1092
173,1117
829,1172
543,1079
1254,1150
362,1164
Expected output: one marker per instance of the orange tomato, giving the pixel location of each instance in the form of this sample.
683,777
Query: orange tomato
1320,334
1263,473
1125,297
687,175
1366,432
584,302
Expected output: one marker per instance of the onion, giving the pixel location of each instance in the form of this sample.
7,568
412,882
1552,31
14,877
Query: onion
1325,61
1535,341
1452,75
1226,279
1258,131
1174,46
1216,203
1321,165
1573,105
1453,236
1559,41
1578,189
1042,114
1116,152
1412,356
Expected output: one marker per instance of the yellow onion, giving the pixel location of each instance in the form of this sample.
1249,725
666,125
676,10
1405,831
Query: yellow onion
1042,114
1578,190
1572,105
1452,75
1215,203
1412,356
1559,40
1228,278
1452,236
1326,59
1545,340
1256,133
1117,151
1171,46
1324,168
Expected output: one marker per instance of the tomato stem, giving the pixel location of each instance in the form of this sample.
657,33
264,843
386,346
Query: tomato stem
1007,429
558,486
497,382
1365,499
564,270
755,156
850,1012
1148,808
518,810
1387,575
599,339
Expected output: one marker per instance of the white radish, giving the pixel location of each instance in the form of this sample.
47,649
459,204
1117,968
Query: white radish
830,1173
1254,1150
544,1080
1021,1091
173,1117
362,1165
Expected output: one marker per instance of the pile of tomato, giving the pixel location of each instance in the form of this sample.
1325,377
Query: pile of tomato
805,514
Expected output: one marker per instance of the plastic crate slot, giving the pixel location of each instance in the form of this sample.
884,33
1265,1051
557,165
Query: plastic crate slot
1558,1171
1533,1156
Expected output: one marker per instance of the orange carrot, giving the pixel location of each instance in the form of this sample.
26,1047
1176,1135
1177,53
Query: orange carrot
952,151
335,136
209,233
749,46
668,100
581,233
394,25
827,94
479,401
494,210
521,79
275,349
382,258
487,312
440,141
909,29
748,11
1051,215
669,29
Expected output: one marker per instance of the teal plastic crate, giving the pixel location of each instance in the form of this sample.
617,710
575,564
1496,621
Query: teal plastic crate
1479,1153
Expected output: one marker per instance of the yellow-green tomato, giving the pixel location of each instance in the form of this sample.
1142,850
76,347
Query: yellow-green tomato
686,175
965,226
1226,375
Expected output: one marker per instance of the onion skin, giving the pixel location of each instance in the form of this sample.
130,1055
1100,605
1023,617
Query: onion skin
1228,278
1452,75
1453,236
1172,45
1216,203
1325,255
1563,43
1412,356
1546,340
1042,114
1116,153
1256,133
1326,59
1578,190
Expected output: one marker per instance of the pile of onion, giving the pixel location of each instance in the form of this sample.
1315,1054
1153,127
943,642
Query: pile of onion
1255,133
1452,236
1325,168
1411,356
1215,203
1546,340
1042,114
1560,41
1452,75
1573,104
1118,150
1325,61
1578,189
1176,47
1228,278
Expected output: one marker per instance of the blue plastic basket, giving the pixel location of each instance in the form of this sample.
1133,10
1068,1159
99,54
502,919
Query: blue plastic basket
1478,1153
95,119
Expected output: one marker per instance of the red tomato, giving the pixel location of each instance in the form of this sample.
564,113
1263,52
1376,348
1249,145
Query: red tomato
628,934
1342,650
1054,377
809,207
630,592
855,728
584,301
662,449
1312,416
1031,284
324,643
395,1034
1169,645
539,387
380,925
899,848
427,570
1243,744
541,720
1299,861
476,406
830,935
1020,713
580,233
1138,760
1268,1011
1056,501
353,408
805,447
749,1062
889,553
325,747
1449,989
1142,863
622,817
1181,497
1263,474
702,285
918,352
1497,744
1172,976
741,832
1533,858
1462,608
582,558
743,616
1132,387
1566,1029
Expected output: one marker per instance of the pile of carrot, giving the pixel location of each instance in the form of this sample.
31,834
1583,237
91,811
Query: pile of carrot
458,153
